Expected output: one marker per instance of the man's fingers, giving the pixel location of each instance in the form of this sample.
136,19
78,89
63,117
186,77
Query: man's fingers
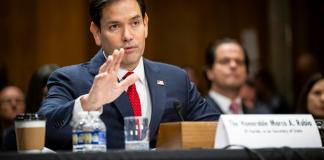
131,79
103,68
119,58
115,59
110,62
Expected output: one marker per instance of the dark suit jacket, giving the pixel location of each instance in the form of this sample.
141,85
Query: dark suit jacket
68,83
211,102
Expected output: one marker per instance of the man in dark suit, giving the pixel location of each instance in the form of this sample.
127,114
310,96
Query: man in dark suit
120,28
226,72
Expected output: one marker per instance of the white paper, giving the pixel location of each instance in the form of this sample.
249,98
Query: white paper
261,131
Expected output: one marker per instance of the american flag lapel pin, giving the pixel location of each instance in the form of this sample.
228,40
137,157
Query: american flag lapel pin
160,82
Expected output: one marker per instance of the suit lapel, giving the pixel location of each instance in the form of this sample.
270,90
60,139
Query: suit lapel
157,93
123,105
96,62
212,102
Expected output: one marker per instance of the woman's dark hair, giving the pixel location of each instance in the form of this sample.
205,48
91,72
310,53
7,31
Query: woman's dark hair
37,83
96,6
302,101
210,55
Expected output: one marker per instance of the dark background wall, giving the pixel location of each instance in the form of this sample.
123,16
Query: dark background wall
275,32
38,32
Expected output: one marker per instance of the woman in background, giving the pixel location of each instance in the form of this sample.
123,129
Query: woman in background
37,89
311,99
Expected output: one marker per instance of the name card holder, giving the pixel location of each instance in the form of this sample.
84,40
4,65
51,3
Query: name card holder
262,131
186,135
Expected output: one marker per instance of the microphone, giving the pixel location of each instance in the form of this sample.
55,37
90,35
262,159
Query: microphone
179,109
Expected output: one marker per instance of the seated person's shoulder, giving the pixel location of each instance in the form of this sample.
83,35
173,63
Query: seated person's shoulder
72,70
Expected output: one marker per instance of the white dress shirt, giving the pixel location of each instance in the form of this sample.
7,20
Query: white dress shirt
141,87
225,102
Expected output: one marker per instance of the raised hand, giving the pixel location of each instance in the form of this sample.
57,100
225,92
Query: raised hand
105,87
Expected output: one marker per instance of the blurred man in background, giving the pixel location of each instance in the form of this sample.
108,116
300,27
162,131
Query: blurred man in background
226,71
12,103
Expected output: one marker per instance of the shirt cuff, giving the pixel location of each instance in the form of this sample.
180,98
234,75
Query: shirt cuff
78,108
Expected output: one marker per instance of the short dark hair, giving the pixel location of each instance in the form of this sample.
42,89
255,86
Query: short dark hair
210,52
96,6
302,100
210,55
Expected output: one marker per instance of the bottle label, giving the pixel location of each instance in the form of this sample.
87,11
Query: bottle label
98,137
77,141
77,138
87,137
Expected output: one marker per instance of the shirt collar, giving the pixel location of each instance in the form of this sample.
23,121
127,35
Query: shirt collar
139,70
223,102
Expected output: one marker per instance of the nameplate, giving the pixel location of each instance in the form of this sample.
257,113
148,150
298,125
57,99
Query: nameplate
261,131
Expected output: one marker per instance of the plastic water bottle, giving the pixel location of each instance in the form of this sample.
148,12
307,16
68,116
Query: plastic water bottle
98,132
87,133
77,132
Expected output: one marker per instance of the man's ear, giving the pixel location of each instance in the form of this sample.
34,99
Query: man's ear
94,29
146,19
209,74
